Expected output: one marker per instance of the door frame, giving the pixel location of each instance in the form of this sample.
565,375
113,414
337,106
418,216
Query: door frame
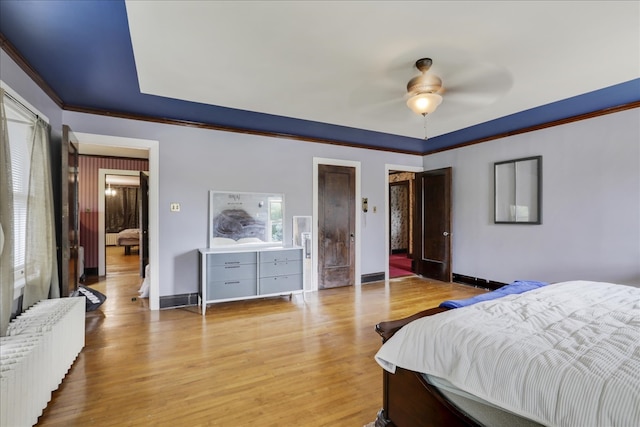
314,255
387,210
102,178
154,191
69,251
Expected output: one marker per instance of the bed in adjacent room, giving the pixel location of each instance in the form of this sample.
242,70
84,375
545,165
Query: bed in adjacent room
566,354
128,238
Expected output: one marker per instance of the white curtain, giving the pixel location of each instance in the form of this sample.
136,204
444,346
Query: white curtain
6,223
41,268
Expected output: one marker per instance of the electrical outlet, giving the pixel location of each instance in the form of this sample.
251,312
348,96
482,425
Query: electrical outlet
175,207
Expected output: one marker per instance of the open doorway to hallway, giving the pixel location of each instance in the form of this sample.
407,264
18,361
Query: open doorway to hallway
123,202
401,205
123,147
110,201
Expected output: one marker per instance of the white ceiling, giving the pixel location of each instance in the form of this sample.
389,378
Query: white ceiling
348,62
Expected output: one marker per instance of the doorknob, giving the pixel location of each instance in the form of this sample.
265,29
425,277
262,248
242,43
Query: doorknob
445,234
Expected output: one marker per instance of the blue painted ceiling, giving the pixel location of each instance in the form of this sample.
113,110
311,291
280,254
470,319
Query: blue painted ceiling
83,51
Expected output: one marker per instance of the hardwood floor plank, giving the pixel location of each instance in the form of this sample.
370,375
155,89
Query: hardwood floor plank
272,362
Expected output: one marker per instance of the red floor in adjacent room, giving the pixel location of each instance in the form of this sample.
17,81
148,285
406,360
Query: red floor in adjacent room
399,266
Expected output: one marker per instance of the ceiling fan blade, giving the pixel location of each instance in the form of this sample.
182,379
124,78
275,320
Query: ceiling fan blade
481,84
367,95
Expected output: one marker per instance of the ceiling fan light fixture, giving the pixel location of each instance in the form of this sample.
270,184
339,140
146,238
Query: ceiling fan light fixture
424,103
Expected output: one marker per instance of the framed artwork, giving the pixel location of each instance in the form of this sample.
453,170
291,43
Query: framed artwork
241,218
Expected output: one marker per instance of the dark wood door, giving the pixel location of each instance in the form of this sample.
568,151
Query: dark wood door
432,230
336,226
144,222
69,201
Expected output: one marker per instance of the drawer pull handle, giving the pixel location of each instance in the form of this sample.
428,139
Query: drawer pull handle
231,266
232,283
232,262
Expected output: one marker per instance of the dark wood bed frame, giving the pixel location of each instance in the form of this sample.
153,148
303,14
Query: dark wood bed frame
408,400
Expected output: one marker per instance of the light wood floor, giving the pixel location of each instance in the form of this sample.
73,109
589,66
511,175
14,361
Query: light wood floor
272,362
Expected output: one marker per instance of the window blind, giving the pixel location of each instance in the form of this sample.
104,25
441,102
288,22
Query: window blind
20,128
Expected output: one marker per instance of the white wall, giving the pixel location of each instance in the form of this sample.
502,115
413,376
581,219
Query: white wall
17,80
194,161
590,204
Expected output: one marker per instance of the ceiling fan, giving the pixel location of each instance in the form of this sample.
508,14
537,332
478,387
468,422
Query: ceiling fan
424,90
455,83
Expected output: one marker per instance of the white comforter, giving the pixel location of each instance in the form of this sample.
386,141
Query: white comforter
566,354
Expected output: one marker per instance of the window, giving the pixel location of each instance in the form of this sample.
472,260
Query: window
20,129
275,219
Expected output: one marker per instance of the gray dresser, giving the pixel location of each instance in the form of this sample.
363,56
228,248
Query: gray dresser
228,274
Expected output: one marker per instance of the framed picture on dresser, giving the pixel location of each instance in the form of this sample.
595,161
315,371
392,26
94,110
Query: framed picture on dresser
242,217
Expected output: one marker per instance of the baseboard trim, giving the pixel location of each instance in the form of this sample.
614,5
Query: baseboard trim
398,251
372,277
183,300
477,282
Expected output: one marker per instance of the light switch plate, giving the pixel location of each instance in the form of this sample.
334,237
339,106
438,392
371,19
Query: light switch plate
175,207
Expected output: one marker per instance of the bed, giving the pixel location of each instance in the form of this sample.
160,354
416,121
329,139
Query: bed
128,238
566,354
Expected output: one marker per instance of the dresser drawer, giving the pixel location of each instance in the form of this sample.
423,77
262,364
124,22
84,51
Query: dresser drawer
231,258
280,268
216,273
273,285
281,255
231,289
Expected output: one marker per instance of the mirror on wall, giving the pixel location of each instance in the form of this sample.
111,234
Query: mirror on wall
518,191
246,218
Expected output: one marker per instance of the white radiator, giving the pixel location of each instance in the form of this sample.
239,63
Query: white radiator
40,347
111,239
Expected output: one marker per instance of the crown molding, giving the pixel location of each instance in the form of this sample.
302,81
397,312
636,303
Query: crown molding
545,125
209,126
10,49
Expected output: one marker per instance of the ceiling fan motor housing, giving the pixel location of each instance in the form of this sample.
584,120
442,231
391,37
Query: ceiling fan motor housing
424,83
428,83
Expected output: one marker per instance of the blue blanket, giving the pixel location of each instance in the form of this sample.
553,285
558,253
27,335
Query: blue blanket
517,287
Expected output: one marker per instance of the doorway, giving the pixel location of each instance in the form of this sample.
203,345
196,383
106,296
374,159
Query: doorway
119,178
336,226
353,234
123,145
401,204
399,264
123,219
